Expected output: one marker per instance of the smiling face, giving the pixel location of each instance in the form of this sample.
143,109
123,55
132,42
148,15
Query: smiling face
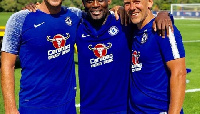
53,3
139,11
50,6
96,9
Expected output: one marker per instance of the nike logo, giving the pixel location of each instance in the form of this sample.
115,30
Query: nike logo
83,36
38,24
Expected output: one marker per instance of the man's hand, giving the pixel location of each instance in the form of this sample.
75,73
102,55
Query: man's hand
31,7
120,13
162,23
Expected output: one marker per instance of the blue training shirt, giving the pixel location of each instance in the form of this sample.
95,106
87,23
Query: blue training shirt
45,44
104,67
150,80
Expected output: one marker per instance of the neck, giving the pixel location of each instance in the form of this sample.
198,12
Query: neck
49,9
97,23
149,17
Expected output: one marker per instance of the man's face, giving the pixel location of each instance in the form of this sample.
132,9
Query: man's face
96,9
127,5
53,3
137,10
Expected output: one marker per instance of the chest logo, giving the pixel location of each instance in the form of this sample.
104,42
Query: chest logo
136,65
100,50
38,24
59,43
144,37
135,57
113,30
58,40
83,36
68,21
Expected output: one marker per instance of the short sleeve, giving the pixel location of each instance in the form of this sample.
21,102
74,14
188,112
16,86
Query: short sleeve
172,47
11,39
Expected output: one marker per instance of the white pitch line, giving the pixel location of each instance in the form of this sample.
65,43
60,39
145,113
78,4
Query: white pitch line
77,105
192,90
192,41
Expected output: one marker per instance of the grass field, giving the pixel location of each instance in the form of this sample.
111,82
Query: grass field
191,37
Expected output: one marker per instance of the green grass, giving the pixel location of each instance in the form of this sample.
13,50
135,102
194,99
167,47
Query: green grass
4,17
189,30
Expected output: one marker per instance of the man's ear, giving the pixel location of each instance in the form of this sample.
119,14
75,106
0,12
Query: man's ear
109,2
150,4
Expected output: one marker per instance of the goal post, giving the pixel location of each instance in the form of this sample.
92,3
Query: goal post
185,11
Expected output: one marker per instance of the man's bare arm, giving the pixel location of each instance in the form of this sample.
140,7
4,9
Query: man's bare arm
177,85
8,82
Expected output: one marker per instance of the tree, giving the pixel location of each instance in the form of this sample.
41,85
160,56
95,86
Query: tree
8,5
16,5
116,2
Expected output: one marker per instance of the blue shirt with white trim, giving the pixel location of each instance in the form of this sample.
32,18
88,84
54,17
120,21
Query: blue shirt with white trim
104,67
45,45
150,80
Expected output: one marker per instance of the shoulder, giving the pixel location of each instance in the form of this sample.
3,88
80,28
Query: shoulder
17,17
20,14
175,36
16,21
74,10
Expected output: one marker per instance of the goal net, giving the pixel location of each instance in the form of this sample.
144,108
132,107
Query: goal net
186,11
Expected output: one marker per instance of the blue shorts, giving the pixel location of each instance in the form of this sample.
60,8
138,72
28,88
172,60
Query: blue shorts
68,108
118,112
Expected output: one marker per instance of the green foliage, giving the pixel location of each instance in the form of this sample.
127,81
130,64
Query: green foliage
165,4
194,1
161,5
8,5
73,3
16,5
116,2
